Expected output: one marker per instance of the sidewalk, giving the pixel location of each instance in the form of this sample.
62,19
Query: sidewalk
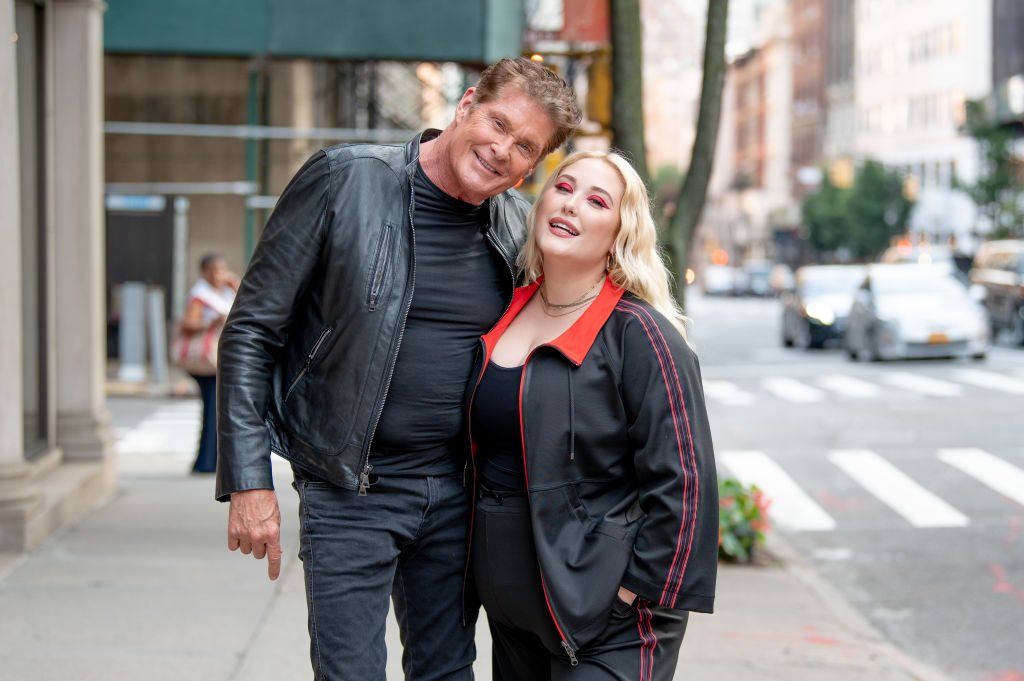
144,588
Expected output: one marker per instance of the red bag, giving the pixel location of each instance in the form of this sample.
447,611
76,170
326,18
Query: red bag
196,352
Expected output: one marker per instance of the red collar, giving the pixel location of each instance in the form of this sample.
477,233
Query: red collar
575,342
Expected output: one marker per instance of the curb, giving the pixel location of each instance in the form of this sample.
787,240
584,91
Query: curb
845,613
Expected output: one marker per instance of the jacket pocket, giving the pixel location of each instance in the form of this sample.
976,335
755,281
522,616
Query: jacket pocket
310,356
381,265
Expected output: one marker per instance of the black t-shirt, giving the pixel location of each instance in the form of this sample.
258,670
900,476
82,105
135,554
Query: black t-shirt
496,429
458,294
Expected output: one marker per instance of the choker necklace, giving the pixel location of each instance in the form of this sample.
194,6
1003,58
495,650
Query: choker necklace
568,308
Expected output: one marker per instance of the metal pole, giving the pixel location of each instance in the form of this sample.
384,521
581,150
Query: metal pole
132,333
179,258
157,339
251,150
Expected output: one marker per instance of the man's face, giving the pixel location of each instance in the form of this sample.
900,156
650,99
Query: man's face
496,144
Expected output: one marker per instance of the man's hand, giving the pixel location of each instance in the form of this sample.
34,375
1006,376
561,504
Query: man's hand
626,596
254,526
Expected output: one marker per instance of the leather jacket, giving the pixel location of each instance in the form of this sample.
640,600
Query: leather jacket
619,464
307,352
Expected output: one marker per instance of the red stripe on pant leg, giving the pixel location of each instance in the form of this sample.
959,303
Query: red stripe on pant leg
649,641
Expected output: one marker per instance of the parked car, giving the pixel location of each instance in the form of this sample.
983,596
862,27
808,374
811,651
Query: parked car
814,312
909,311
999,270
757,278
719,280
782,279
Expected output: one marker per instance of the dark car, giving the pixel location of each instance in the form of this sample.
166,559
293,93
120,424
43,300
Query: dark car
999,269
815,311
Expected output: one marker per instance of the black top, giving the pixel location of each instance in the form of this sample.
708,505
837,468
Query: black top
496,429
458,295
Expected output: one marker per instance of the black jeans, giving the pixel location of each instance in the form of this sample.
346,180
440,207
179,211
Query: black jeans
405,539
640,642
206,457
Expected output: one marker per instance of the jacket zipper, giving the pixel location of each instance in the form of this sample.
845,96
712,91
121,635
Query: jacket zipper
504,256
309,360
569,650
379,267
472,486
364,474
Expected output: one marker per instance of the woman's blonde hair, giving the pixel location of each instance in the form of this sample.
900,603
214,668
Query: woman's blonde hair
636,265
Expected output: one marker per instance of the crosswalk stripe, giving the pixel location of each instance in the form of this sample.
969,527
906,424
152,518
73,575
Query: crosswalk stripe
791,390
727,392
922,384
849,386
988,379
897,490
790,506
1001,476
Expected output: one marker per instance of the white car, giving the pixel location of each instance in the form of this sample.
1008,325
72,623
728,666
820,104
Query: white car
912,311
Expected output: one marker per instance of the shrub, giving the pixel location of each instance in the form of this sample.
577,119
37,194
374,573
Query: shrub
742,520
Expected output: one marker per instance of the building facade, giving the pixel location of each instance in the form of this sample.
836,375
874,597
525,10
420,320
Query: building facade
809,93
758,200
56,456
673,52
917,64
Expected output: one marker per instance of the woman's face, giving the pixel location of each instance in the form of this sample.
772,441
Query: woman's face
577,217
216,272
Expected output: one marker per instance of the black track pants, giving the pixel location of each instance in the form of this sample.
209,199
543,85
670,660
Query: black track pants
640,643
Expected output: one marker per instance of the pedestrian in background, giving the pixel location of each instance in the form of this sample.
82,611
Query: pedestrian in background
206,307
596,523
348,351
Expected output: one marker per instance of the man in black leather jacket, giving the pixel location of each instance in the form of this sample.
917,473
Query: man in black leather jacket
347,351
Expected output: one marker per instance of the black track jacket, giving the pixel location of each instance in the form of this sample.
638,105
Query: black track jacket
620,469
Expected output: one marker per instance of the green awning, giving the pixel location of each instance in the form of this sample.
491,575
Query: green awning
466,31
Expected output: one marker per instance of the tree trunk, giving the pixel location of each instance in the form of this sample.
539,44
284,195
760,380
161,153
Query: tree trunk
627,85
690,203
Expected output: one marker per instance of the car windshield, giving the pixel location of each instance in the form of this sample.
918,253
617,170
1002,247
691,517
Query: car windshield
830,283
916,285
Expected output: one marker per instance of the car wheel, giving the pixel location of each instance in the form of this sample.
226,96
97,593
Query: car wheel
1018,327
873,354
979,356
803,337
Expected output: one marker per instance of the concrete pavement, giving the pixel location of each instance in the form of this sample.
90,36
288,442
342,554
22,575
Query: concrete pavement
144,588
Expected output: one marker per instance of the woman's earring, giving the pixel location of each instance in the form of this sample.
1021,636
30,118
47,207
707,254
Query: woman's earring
610,263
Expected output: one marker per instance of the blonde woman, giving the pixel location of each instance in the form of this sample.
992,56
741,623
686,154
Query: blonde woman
595,527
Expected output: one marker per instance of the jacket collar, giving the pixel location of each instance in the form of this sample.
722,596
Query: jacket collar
576,341
412,147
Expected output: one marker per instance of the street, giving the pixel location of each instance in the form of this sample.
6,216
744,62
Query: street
902,483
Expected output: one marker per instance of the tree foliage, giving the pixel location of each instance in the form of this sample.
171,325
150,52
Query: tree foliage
824,217
861,219
997,192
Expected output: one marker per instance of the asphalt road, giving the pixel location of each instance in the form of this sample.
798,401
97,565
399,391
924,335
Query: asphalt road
902,482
